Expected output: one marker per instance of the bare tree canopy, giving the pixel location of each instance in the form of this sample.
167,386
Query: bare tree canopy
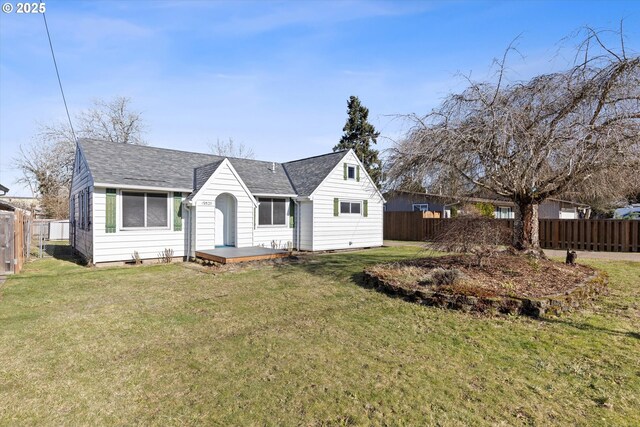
47,163
112,121
574,132
230,149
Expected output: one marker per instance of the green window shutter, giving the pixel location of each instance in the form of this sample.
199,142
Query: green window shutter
336,207
346,171
177,211
365,208
111,211
292,214
358,173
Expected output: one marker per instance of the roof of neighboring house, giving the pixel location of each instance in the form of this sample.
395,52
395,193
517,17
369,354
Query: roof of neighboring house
4,189
127,164
4,206
307,174
459,199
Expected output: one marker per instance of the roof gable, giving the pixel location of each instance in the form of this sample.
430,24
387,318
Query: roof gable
307,174
206,174
137,165
144,166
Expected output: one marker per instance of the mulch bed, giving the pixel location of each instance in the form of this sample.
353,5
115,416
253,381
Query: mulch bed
507,282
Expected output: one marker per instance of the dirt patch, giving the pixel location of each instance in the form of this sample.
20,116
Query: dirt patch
508,283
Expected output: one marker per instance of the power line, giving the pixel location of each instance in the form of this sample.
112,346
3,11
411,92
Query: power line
55,64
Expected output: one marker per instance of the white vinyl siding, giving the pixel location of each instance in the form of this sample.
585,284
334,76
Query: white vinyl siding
223,180
276,235
120,246
345,231
82,184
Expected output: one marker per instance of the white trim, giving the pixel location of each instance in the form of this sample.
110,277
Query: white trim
273,195
226,161
286,209
363,172
143,187
355,172
350,201
169,212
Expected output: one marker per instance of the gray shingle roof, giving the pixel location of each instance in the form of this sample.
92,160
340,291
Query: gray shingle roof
126,164
307,174
201,174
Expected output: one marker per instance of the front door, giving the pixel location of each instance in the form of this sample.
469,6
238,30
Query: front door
225,220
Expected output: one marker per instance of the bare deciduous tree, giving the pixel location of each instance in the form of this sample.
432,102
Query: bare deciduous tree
47,163
472,234
230,149
571,132
112,121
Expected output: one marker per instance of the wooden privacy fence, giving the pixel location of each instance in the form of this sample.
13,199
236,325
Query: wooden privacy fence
15,238
582,234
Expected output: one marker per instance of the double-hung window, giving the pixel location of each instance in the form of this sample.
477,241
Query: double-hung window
144,210
272,211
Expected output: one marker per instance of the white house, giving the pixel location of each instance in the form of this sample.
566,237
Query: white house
129,198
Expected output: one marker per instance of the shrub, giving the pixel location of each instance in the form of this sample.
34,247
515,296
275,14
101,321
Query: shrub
441,277
166,256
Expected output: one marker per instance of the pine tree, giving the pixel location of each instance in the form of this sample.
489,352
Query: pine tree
358,135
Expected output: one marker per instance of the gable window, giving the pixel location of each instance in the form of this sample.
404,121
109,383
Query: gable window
351,172
272,211
144,210
354,208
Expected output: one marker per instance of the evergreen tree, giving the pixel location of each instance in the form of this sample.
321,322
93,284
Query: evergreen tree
358,135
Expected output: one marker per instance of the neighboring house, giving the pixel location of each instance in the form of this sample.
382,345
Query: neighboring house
628,212
3,189
127,198
31,204
404,201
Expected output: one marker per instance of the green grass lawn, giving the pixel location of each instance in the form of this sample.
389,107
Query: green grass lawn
302,345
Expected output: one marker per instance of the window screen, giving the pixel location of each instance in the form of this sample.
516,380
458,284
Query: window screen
157,215
279,212
133,209
272,211
264,212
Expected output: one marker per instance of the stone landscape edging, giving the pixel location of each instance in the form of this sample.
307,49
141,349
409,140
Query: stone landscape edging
533,307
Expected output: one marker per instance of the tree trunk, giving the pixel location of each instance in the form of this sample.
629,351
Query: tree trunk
526,228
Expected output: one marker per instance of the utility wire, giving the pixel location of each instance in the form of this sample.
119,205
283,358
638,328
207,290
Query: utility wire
55,64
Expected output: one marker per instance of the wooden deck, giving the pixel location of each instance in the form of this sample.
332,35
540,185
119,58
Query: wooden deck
232,255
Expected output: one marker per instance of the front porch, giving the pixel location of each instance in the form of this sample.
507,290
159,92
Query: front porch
232,255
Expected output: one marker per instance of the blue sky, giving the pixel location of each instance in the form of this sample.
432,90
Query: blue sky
275,76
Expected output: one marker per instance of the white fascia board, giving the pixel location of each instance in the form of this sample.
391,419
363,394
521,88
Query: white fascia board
226,161
142,187
274,195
